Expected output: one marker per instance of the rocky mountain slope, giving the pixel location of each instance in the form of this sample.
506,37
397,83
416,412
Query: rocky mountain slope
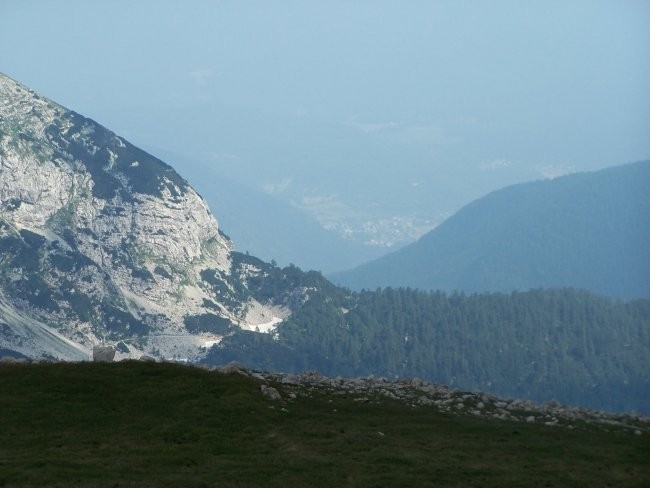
586,230
101,241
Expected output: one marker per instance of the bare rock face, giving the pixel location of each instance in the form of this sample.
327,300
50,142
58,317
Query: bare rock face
105,241
103,354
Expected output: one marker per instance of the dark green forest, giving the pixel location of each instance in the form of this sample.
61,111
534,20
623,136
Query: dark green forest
547,344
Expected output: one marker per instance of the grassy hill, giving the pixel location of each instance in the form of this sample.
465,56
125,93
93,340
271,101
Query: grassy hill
144,424
586,230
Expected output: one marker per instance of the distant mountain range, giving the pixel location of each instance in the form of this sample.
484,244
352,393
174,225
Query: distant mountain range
585,230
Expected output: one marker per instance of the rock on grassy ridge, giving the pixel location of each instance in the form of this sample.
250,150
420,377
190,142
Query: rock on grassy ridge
418,393
144,424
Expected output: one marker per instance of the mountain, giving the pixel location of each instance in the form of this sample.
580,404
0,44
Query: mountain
269,227
375,186
586,230
100,241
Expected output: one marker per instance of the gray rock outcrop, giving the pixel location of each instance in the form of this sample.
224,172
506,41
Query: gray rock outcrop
120,244
103,354
270,393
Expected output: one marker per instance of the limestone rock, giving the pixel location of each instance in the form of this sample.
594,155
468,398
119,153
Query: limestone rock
291,379
103,354
270,393
232,368
125,247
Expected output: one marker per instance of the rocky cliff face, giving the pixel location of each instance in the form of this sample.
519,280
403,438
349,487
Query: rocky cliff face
100,241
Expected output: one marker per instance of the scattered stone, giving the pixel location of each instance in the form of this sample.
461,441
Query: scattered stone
415,392
103,354
290,379
232,368
552,405
270,393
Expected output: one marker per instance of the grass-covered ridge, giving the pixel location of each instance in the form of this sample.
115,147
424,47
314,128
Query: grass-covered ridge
143,424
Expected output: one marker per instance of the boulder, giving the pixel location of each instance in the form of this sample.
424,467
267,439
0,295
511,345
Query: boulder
291,379
146,358
270,392
232,368
103,354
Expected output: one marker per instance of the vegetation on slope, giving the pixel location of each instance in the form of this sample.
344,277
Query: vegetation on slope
144,424
567,345
587,230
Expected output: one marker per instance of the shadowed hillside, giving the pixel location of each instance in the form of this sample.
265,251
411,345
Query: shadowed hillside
588,230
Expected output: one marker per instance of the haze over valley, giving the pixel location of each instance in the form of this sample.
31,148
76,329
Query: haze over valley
375,121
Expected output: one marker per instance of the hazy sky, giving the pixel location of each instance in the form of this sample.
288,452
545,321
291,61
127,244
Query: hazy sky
563,81
569,63
378,118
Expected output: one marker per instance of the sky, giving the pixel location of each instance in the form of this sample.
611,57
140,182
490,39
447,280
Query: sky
475,94
542,64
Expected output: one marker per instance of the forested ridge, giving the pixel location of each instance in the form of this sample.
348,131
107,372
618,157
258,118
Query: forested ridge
547,344
584,230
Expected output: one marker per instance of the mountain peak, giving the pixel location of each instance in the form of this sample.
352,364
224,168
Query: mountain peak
105,240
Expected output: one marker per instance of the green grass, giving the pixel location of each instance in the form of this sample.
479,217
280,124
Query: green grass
143,424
